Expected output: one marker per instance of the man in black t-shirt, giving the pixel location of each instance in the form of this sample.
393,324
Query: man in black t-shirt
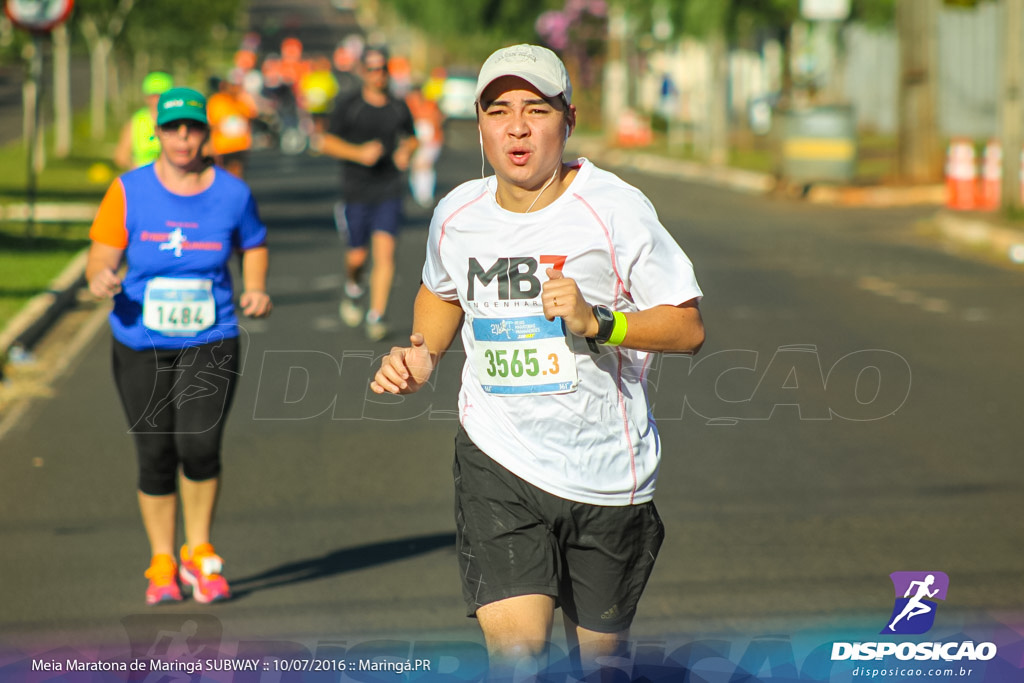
372,133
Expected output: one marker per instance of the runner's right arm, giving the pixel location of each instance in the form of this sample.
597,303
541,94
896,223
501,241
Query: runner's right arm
101,270
109,241
367,154
435,323
123,151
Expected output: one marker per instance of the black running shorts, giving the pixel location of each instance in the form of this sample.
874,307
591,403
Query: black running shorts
515,539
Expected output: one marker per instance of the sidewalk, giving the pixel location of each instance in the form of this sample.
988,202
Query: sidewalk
980,232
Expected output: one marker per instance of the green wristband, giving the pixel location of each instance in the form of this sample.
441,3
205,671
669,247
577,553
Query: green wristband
618,334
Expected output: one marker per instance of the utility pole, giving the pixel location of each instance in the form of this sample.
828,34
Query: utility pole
920,152
1011,111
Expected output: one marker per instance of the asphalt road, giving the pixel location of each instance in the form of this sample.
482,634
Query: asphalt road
854,413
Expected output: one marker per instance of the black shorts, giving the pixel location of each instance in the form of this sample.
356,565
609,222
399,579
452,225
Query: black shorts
515,539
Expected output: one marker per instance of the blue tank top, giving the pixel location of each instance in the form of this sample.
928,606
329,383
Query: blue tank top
186,240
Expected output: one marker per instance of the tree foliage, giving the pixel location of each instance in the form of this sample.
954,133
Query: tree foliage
469,30
183,31
472,28
185,27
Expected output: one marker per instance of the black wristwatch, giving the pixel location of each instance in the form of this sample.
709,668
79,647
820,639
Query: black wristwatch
605,325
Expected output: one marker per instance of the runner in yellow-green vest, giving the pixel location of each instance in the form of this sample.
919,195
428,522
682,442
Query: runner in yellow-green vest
138,144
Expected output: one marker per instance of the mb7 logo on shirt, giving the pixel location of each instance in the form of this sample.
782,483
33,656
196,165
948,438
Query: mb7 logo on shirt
516,276
914,611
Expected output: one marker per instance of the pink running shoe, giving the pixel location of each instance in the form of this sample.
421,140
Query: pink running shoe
202,571
163,580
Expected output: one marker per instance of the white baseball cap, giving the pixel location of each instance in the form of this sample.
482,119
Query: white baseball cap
538,66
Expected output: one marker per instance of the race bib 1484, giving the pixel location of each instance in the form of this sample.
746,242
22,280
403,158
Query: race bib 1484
178,306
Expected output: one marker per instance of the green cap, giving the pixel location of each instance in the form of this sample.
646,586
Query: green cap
157,83
181,103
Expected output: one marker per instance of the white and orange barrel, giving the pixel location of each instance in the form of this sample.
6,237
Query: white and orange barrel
961,175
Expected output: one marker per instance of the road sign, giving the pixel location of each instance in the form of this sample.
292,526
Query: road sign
37,15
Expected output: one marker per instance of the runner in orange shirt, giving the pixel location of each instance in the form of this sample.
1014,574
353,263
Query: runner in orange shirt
429,124
230,111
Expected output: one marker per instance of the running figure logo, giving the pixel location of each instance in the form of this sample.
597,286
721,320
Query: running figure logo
174,241
914,612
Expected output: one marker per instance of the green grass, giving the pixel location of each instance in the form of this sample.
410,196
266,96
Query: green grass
82,177
28,266
29,260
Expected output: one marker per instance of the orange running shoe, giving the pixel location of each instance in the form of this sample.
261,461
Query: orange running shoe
202,570
163,580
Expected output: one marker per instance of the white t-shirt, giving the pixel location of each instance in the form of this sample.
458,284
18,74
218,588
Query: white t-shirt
585,434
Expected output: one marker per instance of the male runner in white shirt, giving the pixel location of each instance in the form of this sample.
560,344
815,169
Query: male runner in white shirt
563,282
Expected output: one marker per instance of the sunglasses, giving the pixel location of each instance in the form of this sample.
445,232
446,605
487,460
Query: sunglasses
192,125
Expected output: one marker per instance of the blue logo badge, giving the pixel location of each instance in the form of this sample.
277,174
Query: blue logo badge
916,592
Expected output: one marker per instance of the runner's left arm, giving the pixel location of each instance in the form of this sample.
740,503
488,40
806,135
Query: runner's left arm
677,329
255,301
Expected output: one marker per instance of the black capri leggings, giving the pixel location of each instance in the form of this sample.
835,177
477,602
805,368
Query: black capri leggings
176,402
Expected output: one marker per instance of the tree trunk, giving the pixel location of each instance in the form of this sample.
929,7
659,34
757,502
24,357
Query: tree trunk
920,150
61,92
99,58
1011,110
717,140
114,94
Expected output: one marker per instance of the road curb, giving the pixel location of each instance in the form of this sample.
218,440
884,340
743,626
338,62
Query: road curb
969,230
878,196
49,212
25,329
754,182
738,179
977,232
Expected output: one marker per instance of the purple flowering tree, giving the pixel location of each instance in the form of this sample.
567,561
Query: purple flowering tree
578,33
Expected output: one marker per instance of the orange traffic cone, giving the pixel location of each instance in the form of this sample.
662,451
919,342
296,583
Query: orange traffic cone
633,131
991,177
961,175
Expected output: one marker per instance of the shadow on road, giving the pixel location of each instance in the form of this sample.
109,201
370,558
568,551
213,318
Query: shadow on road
341,561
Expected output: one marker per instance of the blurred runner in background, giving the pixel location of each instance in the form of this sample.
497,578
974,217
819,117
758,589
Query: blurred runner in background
138,144
231,111
372,133
344,61
317,90
429,124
